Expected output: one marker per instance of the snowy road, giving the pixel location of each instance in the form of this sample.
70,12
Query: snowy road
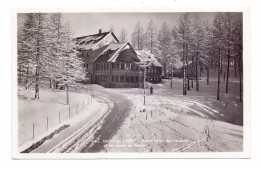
92,136
111,123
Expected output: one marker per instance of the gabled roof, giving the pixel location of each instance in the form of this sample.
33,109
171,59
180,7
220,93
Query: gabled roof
90,41
111,52
147,58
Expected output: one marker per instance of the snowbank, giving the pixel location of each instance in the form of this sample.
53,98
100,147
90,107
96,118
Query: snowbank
50,113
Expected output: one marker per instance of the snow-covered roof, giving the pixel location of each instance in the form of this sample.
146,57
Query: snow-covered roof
90,41
110,52
147,58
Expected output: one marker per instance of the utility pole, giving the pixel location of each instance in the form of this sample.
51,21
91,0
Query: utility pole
171,76
144,82
67,93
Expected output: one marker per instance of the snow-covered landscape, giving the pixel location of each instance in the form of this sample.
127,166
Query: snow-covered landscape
177,87
171,122
168,122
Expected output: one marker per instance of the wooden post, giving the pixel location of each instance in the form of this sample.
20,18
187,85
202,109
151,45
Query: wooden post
69,111
67,93
33,130
47,124
59,117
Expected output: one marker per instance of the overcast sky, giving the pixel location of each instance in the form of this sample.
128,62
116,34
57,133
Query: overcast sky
83,24
89,23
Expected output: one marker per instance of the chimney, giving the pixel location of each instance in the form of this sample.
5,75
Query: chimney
99,31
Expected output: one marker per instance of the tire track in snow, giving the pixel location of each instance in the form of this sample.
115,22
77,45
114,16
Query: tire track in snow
112,122
85,134
199,141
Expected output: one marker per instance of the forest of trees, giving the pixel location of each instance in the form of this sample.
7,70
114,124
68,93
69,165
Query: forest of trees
46,49
216,45
47,53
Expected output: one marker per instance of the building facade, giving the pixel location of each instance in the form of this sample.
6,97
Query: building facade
114,64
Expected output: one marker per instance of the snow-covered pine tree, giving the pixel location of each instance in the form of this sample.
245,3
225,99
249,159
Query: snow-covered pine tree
208,50
164,46
25,49
217,33
67,66
182,34
32,48
197,38
46,48
228,40
123,35
238,48
138,37
151,37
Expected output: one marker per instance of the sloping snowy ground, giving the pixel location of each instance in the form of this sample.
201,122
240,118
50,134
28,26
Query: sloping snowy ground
51,105
171,122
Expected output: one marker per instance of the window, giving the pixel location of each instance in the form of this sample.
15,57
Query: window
113,66
122,66
132,65
137,67
116,78
127,65
122,79
127,78
85,54
132,79
116,66
136,79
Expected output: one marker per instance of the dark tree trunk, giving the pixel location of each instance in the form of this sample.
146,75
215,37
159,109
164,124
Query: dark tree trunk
219,72
212,61
20,75
228,63
184,71
37,63
192,71
187,69
196,71
171,76
164,69
54,84
240,69
235,67
207,75
221,64
27,77
240,79
37,83
200,68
